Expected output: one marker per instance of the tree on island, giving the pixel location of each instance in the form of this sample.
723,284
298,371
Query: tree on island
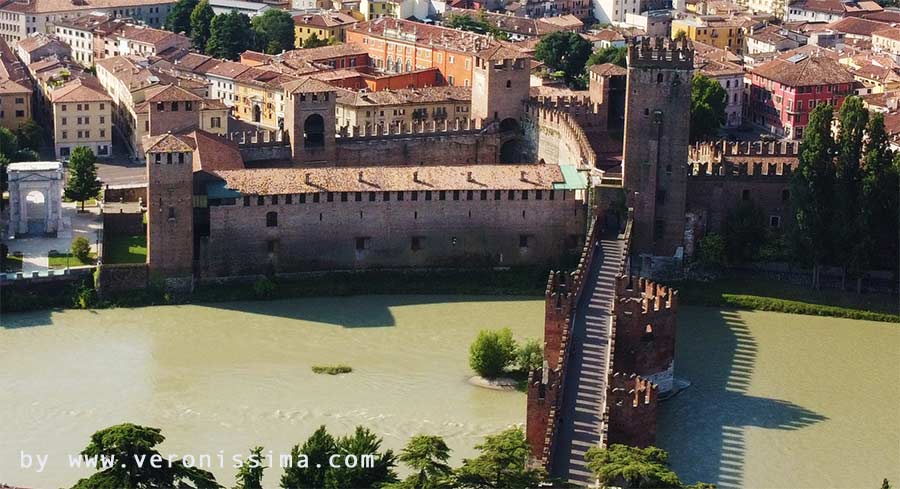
130,448
179,18
274,31
708,102
250,473
201,19
427,456
492,352
501,463
230,35
565,52
82,183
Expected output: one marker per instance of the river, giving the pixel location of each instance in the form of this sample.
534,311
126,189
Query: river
777,401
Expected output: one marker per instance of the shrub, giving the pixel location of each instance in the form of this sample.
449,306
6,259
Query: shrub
84,298
332,369
529,356
712,251
492,352
81,248
264,288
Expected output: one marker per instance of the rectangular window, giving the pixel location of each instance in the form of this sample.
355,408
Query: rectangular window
302,198
386,196
511,195
316,198
372,197
362,244
442,195
428,195
246,198
329,196
343,196
523,241
456,195
260,200
274,199
416,243
357,197
524,195
414,195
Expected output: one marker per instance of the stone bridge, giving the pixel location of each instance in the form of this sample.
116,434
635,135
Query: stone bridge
608,352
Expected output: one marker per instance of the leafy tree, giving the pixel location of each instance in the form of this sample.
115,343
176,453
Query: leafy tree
492,352
812,190
318,447
529,356
744,232
567,52
30,135
179,17
479,24
614,55
501,463
631,467
250,474
708,102
711,251
427,456
82,183
128,445
230,35
362,443
81,248
854,118
201,18
275,30
880,206
680,35
313,41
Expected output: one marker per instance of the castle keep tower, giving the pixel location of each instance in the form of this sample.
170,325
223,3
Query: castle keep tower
500,82
309,120
657,106
170,206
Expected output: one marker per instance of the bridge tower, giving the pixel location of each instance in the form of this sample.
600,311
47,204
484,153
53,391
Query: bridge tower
657,108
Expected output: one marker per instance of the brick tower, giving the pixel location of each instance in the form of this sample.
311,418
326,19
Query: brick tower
500,82
657,108
170,206
309,120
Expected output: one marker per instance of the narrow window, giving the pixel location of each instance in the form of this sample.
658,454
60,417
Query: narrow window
271,219
260,200
246,201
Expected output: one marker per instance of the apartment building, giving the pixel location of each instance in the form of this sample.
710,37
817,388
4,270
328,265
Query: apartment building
259,97
399,46
731,78
98,36
323,25
830,10
371,109
15,90
82,116
721,32
887,41
19,18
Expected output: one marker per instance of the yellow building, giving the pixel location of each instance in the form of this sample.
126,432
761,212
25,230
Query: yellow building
324,25
408,106
259,97
82,116
15,90
375,9
720,32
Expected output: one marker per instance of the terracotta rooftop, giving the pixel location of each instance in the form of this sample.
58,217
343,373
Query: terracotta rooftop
409,96
810,70
307,85
270,181
892,33
144,34
405,31
608,69
170,93
856,26
85,89
227,69
13,74
324,19
212,153
837,6
38,40
168,143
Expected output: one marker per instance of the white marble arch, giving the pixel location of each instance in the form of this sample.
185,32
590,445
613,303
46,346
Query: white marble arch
46,177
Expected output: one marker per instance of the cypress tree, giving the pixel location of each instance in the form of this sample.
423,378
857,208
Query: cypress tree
201,17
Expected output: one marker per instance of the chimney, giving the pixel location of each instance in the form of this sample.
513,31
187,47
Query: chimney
416,176
469,177
522,176
360,176
309,179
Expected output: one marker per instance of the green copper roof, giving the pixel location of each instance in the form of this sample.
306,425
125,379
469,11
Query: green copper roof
217,190
574,179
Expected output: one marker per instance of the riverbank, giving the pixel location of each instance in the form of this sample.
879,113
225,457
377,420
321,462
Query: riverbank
768,295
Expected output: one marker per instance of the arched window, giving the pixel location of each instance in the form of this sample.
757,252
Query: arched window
408,65
314,131
271,219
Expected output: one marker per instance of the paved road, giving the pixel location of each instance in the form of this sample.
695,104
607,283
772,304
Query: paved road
585,390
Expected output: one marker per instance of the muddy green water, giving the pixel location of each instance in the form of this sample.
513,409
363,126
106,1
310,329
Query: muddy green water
777,401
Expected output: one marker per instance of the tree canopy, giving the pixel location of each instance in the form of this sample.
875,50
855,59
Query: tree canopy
631,467
179,17
130,448
313,41
274,30
501,463
478,24
427,456
566,52
201,18
230,35
82,183
614,55
708,102
492,352
250,473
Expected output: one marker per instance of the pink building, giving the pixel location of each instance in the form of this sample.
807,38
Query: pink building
784,91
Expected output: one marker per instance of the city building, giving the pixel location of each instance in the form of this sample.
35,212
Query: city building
250,9
830,10
38,46
784,91
15,90
731,77
322,25
82,116
721,32
887,41
407,106
20,18
769,39
399,46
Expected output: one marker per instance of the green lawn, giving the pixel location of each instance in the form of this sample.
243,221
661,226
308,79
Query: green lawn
63,260
12,264
125,249
769,295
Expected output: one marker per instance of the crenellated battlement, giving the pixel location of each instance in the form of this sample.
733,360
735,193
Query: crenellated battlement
631,389
249,139
418,128
719,150
563,119
741,169
652,297
660,52
567,103
630,414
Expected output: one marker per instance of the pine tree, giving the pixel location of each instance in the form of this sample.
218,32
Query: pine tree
82,183
201,17
812,191
250,473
